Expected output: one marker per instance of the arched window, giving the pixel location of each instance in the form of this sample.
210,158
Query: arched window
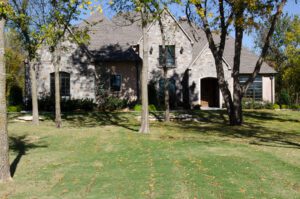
64,84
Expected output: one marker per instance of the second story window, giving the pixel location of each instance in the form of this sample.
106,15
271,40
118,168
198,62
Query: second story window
170,56
115,82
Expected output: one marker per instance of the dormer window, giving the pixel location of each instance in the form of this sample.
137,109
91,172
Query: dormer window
170,56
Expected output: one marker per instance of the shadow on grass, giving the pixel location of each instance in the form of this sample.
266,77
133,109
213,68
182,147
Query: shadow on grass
252,131
21,145
208,123
255,135
94,119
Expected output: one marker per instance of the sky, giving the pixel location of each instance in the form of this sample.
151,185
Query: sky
292,8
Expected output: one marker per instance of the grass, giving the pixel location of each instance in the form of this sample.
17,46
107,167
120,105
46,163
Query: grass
103,156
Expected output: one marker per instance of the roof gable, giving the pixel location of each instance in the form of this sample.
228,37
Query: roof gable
176,22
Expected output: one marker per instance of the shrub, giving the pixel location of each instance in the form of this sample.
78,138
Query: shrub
276,106
47,103
284,106
112,103
257,105
295,107
77,104
152,107
15,96
17,108
252,104
268,105
284,98
138,107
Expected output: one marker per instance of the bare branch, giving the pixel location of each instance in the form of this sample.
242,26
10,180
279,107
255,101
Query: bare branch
265,48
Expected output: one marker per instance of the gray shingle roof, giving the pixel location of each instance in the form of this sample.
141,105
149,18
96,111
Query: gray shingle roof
248,59
116,53
111,40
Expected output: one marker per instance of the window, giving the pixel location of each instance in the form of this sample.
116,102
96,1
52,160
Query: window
64,84
255,89
172,91
115,82
170,53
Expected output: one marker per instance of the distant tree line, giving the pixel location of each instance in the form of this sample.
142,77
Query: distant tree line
284,56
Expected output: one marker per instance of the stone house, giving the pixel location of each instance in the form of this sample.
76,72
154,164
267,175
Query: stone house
113,63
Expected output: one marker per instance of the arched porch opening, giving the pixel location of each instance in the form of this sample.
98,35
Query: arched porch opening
210,93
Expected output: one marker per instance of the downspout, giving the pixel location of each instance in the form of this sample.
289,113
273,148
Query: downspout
272,94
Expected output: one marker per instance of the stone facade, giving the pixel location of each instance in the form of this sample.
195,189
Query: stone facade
183,53
82,78
188,75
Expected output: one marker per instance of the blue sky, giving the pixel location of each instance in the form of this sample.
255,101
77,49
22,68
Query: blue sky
291,8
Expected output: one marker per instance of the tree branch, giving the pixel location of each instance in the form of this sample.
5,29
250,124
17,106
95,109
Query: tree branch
264,52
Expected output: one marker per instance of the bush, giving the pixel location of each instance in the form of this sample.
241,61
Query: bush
268,105
295,107
276,106
152,107
15,96
69,105
112,103
47,103
284,106
17,108
138,107
284,98
252,104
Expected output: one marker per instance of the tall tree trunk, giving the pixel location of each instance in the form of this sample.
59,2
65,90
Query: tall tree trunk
225,90
57,89
4,156
144,84
34,98
165,70
167,97
237,117
234,106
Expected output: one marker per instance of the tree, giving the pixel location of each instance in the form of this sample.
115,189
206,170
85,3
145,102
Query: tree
39,22
242,15
144,8
29,18
164,68
58,31
283,54
141,5
276,54
149,12
4,156
291,73
14,58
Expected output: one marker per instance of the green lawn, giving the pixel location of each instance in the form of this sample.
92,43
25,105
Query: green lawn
103,156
